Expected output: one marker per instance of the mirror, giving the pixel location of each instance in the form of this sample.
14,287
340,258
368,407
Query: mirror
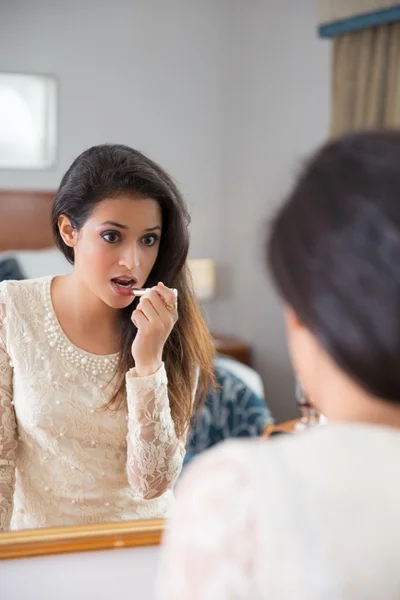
140,75
25,233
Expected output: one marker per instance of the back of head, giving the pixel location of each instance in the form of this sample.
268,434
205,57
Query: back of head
334,252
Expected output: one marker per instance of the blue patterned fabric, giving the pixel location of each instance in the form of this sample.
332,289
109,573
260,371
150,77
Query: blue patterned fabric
233,410
10,269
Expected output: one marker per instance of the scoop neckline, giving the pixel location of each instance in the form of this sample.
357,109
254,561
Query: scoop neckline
62,332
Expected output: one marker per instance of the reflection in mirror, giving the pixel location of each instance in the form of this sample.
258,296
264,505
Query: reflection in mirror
72,459
85,438
98,382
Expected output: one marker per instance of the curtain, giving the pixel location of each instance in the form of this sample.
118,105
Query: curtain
366,79
336,10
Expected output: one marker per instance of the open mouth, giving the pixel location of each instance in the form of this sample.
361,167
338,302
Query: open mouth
124,284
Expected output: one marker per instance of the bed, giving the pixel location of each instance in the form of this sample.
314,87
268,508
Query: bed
25,220
25,235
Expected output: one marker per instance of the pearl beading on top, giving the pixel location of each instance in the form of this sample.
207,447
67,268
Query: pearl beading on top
80,359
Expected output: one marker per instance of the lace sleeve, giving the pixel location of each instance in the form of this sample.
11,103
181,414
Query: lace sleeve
155,454
8,437
209,544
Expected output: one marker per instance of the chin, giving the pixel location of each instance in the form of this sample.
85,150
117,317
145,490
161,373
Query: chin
116,302
119,303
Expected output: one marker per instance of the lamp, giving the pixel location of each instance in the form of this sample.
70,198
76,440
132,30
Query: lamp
203,272
204,279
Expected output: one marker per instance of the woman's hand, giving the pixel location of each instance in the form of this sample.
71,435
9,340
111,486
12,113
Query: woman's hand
154,317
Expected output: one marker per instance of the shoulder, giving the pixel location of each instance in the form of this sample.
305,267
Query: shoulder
278,464
217,475
13,287
215,501
251,462
23,292
275,479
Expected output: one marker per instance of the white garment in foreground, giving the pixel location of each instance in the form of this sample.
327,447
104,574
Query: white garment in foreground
312,516
66,459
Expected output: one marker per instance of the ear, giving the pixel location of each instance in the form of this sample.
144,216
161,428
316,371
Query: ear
292,321
68,233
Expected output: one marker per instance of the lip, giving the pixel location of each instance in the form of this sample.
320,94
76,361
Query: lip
124,291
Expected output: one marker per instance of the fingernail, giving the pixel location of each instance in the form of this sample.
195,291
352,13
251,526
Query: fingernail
134,322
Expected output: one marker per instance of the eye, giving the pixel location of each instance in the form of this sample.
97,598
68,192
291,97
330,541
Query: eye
111,237
150,240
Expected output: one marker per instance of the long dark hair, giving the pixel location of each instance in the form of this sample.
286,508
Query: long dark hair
106,171
334,252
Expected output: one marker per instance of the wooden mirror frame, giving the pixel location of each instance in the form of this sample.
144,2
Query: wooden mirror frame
82,538
285,427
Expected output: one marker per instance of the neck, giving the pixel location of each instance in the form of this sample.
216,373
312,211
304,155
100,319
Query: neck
83,306
346,401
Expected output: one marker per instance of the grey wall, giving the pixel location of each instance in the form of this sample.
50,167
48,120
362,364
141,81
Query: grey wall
116,573
144,73
228,95
277,96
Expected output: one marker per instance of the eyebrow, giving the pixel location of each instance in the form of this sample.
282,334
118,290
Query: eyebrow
120,226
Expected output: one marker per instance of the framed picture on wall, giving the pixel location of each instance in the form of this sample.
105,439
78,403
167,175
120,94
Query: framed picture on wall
28,121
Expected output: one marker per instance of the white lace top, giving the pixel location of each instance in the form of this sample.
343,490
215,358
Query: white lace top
64,459
311,516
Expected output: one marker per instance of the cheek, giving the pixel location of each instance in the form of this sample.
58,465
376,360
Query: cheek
149,257
93,254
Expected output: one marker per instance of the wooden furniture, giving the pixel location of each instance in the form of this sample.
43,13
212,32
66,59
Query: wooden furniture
290,426
25,220
233,347
286,427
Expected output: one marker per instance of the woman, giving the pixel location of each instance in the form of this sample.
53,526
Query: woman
315,515
97,384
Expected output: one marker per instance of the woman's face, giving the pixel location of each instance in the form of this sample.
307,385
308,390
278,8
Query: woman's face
116,248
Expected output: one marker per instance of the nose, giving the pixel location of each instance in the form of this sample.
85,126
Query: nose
130,258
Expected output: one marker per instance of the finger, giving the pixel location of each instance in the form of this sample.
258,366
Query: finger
170,296
139,319
157,301
165,312
150,312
